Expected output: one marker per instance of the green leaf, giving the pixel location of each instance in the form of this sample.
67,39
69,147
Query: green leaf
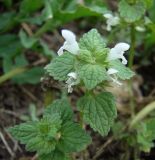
86,56
145,135
29,6
61,66
47,51
62,16
151,126
92,41
148,3
7,21
47,12
131,13
31,76
123,71
40,136
100,57
24,132
99,111
10,45
9,63
78,12
55,155
26,41
62,107
92,75
73,138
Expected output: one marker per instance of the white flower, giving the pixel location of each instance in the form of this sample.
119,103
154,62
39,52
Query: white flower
111,20
140,29
118,51
70,43
112,72
71,81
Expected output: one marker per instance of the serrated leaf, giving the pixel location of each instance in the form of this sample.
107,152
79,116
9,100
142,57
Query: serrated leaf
38,136
61,66
62,107
92,75
24,132
40,145
99,111
98,57
73,138
92,41
86,56
131,13
55,155
123,71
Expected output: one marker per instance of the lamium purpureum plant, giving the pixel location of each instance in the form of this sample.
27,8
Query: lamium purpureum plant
89,64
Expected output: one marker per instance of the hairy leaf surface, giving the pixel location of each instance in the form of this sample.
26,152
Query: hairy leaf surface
99,111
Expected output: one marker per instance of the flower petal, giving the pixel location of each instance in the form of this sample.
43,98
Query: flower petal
71,47
72,74
71,81
111,20
69,36
60,51
112,71
122,46
70,43
108,15
118,51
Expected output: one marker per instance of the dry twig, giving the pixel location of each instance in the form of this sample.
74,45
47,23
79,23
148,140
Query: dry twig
6,145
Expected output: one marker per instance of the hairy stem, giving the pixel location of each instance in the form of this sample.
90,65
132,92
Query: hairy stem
12,73
142,114
132,49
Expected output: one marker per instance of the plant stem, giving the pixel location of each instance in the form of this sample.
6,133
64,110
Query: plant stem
81,120
142,114
131,59
132,49
48,97
132,103
12,73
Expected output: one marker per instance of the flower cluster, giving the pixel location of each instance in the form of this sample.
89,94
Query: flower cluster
111,20
71,45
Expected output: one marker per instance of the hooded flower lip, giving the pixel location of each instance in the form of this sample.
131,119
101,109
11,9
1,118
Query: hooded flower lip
70,43
71,81
118,52
111,20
